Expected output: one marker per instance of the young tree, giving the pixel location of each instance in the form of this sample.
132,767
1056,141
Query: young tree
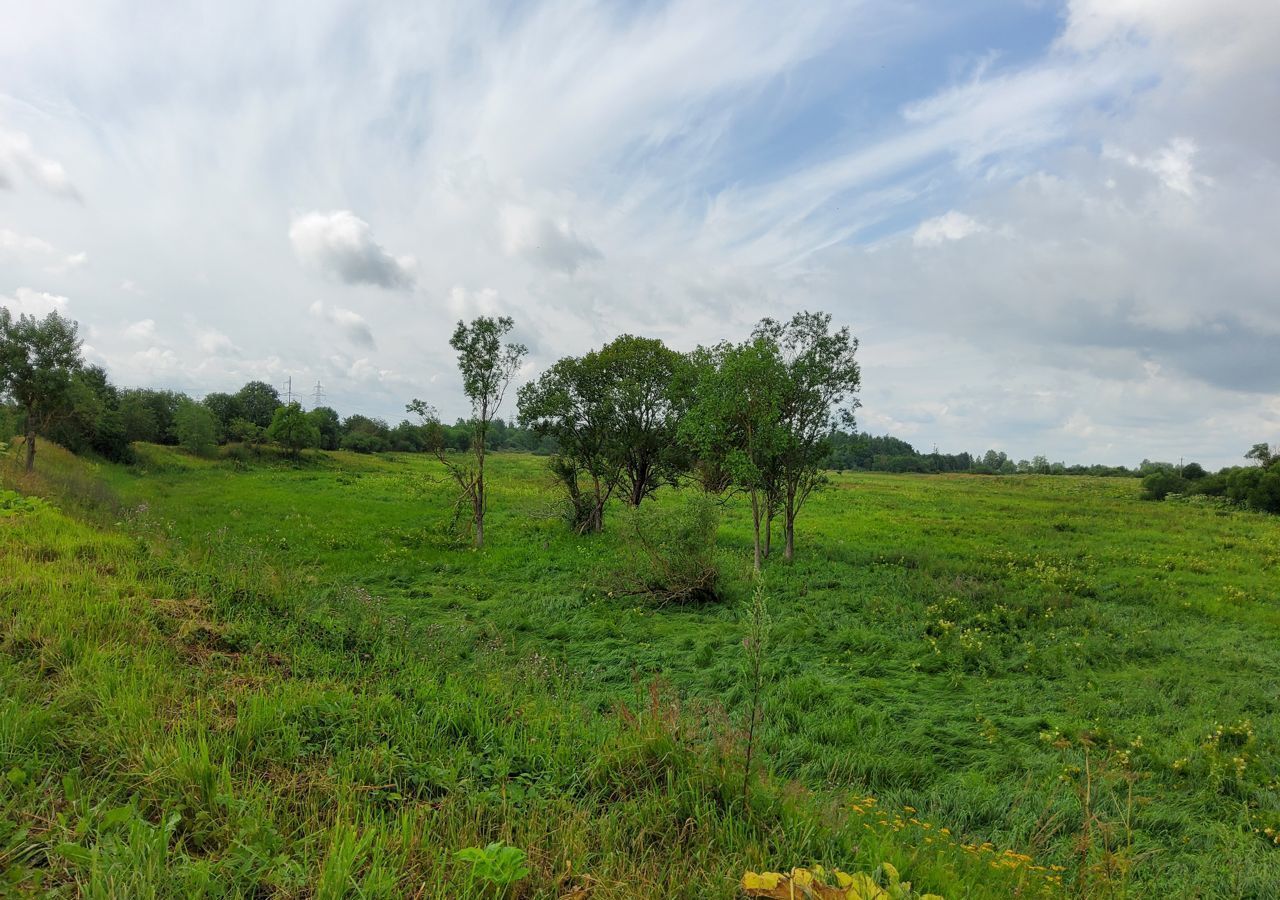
292,429
1261,453
487,366
38,358
820,374
197,428
735,422
570,403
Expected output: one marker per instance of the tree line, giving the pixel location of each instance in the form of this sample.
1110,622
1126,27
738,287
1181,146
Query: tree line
765,417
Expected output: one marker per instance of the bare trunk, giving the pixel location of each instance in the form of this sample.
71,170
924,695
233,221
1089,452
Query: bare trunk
755,521
478,498
768,532
31,447
789,526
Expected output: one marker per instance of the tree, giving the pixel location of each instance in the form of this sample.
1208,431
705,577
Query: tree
487,366
329,425
225,409
735,422
197,427
258,403
292,429
1261,453
648,392
820,377
570,404
38,358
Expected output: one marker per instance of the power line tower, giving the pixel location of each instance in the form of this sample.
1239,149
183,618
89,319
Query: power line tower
317,393
288,390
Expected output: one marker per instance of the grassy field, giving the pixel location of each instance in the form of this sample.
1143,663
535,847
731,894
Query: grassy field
290,679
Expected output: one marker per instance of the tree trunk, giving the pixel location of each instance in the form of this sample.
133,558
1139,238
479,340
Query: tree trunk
789,525
768,532
755,521
31,446
477,497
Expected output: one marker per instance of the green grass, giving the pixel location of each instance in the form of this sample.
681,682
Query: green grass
296,681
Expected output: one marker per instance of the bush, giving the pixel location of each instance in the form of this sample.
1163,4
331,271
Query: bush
669,550
1162,483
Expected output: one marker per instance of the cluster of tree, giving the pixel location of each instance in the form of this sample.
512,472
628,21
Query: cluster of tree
860,451
1256,486
755,417
51,391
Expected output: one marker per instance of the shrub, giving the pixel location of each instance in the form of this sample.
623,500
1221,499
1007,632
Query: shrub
1162,483
669,550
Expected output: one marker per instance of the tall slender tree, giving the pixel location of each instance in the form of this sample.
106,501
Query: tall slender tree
487,365
38,359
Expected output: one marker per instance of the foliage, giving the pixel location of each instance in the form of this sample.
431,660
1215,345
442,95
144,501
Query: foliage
293,429
328,427
487,366
1159,485
497,863
257,402
821,377
818,883
669,552
196,428
38,359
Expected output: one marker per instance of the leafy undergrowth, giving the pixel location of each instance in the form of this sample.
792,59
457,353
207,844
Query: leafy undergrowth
169,728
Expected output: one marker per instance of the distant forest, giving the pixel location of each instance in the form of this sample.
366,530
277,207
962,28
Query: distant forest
103,419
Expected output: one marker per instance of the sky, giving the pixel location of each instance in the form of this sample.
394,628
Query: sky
1052,226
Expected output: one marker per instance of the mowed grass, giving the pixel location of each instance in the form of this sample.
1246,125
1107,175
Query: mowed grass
303,665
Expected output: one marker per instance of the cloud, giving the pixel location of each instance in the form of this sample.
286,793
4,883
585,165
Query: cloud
17,153
1172,164
213,342
15,247
950,226
340,244
352,324
143,330
26,301
550,243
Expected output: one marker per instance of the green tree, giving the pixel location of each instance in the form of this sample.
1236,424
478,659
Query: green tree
292,429
821,377
648,393
225,409
1261,453
735,422
258,403
570,403
487,366
38,358
329,425
196,427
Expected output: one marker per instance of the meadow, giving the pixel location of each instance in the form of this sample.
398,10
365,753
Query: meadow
230,678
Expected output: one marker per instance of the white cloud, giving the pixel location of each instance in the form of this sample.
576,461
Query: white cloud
29,302
340,244
551,243
142,330
950,226
351,323
18,153
15,247
1172,164
213,342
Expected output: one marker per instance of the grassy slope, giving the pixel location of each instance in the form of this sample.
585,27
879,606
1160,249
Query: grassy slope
178,721
941,642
